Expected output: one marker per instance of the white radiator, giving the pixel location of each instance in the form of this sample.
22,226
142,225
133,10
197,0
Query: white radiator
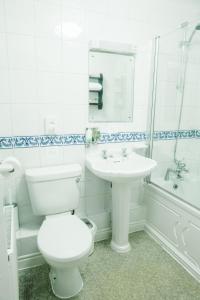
10,222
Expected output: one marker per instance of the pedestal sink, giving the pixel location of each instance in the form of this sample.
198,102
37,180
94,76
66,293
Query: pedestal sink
121,170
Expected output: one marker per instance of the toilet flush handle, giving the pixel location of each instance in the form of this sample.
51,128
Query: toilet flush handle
78,183
78,179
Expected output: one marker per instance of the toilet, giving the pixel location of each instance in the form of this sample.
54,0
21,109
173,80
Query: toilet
64,239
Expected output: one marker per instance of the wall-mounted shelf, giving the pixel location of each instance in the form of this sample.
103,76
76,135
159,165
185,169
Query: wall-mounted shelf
96,78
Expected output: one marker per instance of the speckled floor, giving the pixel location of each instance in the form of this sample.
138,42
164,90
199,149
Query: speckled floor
146,272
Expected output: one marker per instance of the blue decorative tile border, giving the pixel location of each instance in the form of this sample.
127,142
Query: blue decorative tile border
41,141
79,139
122,137
178,134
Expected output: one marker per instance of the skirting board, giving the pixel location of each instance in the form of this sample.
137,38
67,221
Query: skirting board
172,251
30,261
36,259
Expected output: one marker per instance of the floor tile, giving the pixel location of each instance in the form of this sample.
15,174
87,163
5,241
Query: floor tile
147,272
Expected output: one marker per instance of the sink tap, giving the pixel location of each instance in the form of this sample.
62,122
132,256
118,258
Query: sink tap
104,154
124,152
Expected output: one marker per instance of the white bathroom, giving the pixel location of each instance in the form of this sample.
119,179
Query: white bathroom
99,149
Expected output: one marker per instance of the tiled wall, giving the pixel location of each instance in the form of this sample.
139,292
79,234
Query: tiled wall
44,72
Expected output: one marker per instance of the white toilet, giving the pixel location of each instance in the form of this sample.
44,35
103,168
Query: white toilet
63,239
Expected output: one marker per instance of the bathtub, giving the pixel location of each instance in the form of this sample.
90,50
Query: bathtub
174,223
186,190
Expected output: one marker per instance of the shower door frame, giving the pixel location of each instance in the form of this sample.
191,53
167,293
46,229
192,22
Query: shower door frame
152,106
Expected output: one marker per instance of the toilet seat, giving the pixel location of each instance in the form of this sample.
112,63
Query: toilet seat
64,238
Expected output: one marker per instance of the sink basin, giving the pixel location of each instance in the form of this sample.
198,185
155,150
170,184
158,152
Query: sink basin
121,170
117,168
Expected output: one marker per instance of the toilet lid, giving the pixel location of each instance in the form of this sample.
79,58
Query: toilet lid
64,238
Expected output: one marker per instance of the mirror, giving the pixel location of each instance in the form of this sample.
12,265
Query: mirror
111,79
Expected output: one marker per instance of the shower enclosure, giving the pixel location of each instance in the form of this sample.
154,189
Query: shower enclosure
175,113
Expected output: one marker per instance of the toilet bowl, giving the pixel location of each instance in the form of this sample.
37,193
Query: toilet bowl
64,239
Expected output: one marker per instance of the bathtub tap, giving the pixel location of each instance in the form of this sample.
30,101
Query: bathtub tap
180,168
168,172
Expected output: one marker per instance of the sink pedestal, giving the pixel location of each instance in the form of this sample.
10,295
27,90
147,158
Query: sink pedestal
121,195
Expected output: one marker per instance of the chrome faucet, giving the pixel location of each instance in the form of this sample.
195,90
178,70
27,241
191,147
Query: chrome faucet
104,154
124,152
180,168
168,172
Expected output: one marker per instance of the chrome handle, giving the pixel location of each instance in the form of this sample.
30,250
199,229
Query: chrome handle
78,179
104,154
124,151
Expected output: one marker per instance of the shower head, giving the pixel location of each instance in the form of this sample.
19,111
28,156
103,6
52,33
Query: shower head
197,27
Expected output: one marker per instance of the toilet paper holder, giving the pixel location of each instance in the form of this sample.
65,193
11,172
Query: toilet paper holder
10,165
6,168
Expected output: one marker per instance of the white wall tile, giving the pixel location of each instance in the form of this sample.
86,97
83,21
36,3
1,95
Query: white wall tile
74,118
22,195
48,18
167,94
23,86
28,157
73,4
190,118
81,209
52,2
163,150
5,153
50,87
50,156
139,118
21,51
75,57
74,154
98,30
166,118
2,15
26,216
6,120
73,17
101,6
27,245
20,16
48,53
25,119
192,94
4,86
95,186
75,89
3,51
95,204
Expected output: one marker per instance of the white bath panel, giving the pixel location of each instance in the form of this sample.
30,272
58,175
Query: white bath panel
175,225
191,238
163,219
